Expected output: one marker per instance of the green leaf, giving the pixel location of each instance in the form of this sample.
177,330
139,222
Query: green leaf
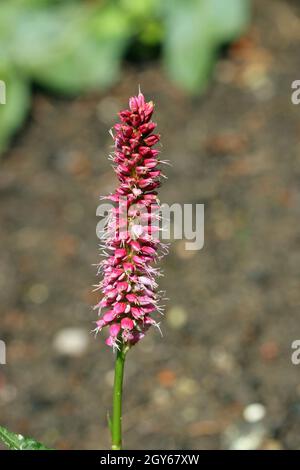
229,18
190,46
18,442
71,49
17,98
140,9
194,31
74,46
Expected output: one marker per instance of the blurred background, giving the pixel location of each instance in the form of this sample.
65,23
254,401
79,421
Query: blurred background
220,73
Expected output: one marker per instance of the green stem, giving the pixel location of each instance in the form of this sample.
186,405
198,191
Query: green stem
116,422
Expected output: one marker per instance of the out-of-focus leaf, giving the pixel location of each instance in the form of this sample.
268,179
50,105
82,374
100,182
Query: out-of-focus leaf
140,8
17,98
189,48
152,33
73,46
72,49
194,31
18,442
229,18
83,67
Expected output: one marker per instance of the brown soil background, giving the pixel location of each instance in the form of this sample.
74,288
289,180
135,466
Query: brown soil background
235,149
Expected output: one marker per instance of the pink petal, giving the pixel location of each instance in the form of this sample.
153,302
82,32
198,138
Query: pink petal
119,307
114,329
127,324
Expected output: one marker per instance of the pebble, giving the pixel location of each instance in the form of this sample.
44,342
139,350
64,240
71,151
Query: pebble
223,360
71,341
37,293
28,238
161,397
254,413
177,317
248,442
186,387
272,444
244,437
189,413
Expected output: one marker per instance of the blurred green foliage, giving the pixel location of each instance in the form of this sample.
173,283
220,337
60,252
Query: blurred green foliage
74,46
18,442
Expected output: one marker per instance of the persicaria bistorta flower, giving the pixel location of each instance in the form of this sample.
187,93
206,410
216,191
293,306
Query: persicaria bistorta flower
131,244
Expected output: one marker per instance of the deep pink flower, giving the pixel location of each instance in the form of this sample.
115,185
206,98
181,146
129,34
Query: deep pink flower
127,323
131,243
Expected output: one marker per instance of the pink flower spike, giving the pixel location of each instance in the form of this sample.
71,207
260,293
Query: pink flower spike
145,281
131,243
100,323
134,104
150,163
109,316
137,313
112,342
132,298
119,308
148,309
109,341
148,250
129,267
114,329
127,324
152,140
137,230
127,336
122,286
120,253
141,100
135,245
